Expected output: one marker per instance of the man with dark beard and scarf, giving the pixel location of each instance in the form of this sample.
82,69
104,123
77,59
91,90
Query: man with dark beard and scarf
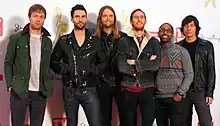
138,61
80,59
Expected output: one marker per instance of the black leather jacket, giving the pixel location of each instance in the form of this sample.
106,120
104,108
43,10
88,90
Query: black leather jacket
89,63
146,69
111,75
204,74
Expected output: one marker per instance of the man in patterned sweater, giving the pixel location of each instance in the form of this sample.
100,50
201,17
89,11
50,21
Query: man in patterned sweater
173,80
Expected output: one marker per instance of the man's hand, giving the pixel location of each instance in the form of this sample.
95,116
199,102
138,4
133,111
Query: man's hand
131,61
153,57
209,100
9,89
177,97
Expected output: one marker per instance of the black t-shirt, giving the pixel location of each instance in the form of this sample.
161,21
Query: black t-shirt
191,47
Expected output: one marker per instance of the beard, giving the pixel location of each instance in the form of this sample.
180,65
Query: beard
108,25
138,28
79,26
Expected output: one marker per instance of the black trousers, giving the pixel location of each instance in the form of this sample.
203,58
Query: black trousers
198,99
169,112
36,103
89,101
146,101
106,94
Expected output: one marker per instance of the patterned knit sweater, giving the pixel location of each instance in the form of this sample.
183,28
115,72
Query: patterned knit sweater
175,73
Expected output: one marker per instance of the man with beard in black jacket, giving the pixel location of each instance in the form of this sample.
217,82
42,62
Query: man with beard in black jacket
138,61
80,59
107,31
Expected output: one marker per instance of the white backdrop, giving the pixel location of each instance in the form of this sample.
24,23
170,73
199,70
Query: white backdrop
14,15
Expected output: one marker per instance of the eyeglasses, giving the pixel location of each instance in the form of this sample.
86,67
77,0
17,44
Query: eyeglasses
162,30
139,17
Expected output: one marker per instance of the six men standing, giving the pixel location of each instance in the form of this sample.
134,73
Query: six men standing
162,78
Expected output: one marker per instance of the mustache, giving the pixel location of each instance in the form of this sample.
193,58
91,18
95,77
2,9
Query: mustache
80,22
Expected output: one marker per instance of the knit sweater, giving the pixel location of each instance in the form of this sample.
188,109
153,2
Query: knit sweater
175,73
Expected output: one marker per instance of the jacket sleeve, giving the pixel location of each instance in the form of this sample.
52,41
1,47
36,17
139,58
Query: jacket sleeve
144,63
211,72
99,68
9,60
121,59
56,63
187,72
50,46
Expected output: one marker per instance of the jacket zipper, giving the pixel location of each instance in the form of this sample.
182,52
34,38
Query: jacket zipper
196,67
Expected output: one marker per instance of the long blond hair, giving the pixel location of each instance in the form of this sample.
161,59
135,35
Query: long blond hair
99,24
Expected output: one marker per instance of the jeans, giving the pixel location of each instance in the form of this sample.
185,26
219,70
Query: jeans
146,101
106,94
89,101
36,103
198,99
168,112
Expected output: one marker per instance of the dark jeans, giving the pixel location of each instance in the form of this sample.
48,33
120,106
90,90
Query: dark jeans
168,112
198,99
36,103
106,94
89,101
146,101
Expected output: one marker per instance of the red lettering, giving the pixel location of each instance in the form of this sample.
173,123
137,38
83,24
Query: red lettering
1,77
1,26
179,36
153,33
58,121
212,123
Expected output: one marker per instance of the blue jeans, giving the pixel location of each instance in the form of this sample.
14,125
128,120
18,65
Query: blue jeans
89,101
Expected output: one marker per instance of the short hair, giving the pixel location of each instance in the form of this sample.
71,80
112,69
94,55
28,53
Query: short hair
77,7
36,8
167,24
189,19
131,16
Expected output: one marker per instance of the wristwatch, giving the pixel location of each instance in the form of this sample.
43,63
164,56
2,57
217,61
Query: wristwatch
180,93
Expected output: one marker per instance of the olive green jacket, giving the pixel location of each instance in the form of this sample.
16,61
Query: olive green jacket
17,63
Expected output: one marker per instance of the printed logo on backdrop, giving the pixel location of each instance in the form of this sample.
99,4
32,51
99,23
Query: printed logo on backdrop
17,27
178,36
62,122
1,77
207,2
212,124
1,26
212,38
126,26
61,25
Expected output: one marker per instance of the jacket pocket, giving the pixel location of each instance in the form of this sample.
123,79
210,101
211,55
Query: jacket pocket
22,51
18,84
203,56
